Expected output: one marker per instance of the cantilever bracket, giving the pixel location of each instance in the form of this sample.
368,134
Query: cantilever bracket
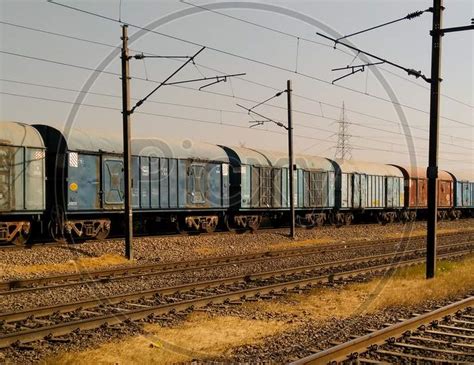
354,69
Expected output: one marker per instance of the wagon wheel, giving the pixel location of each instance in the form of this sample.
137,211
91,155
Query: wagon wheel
348,219
304,223
320,220
103,233
254,224
56,233
276,221
21,237
228,221
381,219
183,229
211,225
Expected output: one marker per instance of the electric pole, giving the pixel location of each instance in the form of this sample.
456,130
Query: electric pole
291,166
127,144
289,129
432,171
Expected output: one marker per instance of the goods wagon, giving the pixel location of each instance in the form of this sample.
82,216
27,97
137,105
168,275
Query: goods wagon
315,190
84,181
22,181
463,193
258,184
416,191
364,187
169,179
186,182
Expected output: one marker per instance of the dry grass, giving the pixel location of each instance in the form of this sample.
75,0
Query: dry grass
326,239
422,232
81,264
200,337
407,287
207,250
302,243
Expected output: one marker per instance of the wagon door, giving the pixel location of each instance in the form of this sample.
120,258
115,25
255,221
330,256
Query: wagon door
112,183
6,165
266,187
356,191
84,181
363,191
316,189
465,198
195,183
277,190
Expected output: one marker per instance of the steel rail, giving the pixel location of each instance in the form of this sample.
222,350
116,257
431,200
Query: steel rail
154,270
119,273
351,349
60,329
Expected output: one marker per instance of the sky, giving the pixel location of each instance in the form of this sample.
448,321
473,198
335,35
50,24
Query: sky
270,43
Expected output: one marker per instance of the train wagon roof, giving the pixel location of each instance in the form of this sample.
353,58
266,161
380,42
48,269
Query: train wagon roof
314,163
20,134
415,172
79,140
249,156
369,168
182,149
463,175
74,139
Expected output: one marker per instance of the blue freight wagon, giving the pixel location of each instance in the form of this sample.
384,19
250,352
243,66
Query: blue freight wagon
22,181
259,186
81,170
365,188
182,182
463,193
187,180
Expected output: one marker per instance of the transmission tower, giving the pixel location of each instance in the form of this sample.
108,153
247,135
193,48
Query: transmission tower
343,148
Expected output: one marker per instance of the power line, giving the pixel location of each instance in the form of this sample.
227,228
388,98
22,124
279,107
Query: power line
245,58
243,79
311,41
236,112
204,122
154,81
119,97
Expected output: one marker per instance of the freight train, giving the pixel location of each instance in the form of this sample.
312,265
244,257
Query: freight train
69,185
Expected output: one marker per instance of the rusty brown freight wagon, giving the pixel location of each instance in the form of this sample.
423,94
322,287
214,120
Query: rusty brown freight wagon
416,188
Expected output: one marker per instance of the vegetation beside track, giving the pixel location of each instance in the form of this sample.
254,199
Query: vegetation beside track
204,335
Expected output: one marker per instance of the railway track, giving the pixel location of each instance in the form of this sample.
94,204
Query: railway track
43,243
49,323
445,335
142,271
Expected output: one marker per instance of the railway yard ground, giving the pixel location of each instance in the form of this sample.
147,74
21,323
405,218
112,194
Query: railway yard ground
270,300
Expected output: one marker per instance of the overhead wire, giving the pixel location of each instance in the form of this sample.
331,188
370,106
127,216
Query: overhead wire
220,111
143,79
311,41
246,58
216,70
203,121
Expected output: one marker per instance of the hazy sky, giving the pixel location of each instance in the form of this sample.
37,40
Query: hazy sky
375,125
